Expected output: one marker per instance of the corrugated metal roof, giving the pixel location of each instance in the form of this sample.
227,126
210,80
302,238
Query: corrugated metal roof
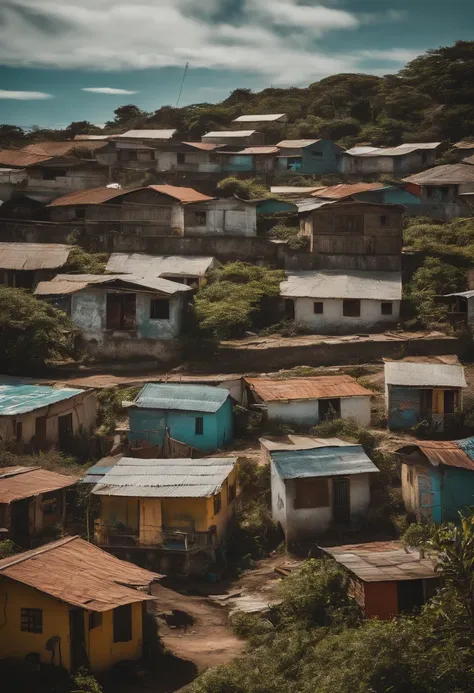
259,150
229,133
24,482
79,573
146,134
445,452
204,146
20,158
292,442
382,286
33,256
323,461
384,561
71,283
464,294
21,399
307,388
62,148
170,478
400,150
142,265
294,190
92,196
338,192
182,397
184,195
360,149
262,118
311,204
449,174
85,138
296,144
418,374
464,144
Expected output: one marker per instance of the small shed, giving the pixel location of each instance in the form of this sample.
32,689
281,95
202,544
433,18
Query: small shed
310,400
23,265
198,415
177,268
438,478
386,579
32,500
425,388
460,307
314,489
441,190
309,156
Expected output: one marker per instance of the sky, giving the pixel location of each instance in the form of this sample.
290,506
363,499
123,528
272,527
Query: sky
67,60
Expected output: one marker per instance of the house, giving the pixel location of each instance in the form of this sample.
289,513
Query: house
162,155
220,217
190,270
319,488
242,138
308,156
258,159
41,416
465,147
368,236
256,121
460,307
272,205
425,388
398,161
174,512
197,415
376,193
441,190
72,605
23,265
310,400
32,501
437,478
386,578
121,316
337,302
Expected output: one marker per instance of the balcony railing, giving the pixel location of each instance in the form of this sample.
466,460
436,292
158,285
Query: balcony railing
150,537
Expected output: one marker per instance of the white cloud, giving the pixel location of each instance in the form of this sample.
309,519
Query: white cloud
108,90
110,35
24,95
398,55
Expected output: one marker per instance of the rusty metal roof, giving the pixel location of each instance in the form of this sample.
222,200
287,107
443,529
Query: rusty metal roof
33,256
79,573
464,144
318,387
92,196
21,159
62,148
184,195
296,144
444,452
338,192
204,146
259,150
71,283
382,561
449,174
24,482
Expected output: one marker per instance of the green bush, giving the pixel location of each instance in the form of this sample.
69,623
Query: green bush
81,261
8,548
109,406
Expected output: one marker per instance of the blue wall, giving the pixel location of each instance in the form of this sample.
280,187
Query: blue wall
329,162
150,425
457,491
403,407
391,195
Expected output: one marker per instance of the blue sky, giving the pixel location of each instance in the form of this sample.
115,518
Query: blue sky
53,51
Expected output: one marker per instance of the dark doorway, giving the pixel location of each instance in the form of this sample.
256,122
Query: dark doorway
20,521
121,312
65,430
289,309
449,401
329,409
410,596
78,639
341,501
40,432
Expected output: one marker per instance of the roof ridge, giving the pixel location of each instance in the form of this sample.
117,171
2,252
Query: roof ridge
39,551
23,470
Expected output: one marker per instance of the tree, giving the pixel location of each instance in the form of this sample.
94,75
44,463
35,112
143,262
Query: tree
12,136
31,332
129,115
80,127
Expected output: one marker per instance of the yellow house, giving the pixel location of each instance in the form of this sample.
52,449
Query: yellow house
71,604
178,508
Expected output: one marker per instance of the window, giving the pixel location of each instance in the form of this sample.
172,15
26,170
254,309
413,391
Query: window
159,309
318,307
50,506
387,308
80,213
32,620
123,623
65,429
199,425
217,503
410,477
383,220
231,493
95,620
200,218
121,311
311,493
131,155
180,158
19,430
349,223
351,308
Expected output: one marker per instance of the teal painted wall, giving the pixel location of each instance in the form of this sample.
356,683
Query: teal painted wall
457,492
238,163
275,206
321,157
389,196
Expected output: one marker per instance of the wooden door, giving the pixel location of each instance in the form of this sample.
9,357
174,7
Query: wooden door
40,432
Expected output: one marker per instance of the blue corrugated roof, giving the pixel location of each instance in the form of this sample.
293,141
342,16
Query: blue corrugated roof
330,461
183,397
467,446
21,399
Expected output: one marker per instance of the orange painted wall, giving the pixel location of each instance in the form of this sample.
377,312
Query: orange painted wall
381,600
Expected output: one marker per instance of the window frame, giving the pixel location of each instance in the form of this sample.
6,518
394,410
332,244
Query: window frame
95,620
31,620
122,623
384,308
355,302
153,306
311,493
180,158
320,304
199,426
200,217
125,321
217,502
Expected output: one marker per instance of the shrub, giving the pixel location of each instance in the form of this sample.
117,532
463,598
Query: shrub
8,548
81,261
109,409
84,682
417,535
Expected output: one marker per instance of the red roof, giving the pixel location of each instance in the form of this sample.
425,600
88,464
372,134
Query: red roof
338,192
205,146
92,196
20,158
24,482
184,195
62,148
323,386
446,452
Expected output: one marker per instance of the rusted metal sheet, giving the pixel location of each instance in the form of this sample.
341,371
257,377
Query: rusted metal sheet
448,174
33,256
307,388
93,196
446,452
338,192
25,482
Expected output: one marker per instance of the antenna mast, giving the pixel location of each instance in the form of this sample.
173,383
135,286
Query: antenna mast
182,84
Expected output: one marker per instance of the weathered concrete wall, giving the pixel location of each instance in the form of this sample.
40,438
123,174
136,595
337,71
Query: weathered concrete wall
230,217
333,321
301,260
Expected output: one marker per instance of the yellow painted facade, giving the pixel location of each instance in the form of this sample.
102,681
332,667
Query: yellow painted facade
101,650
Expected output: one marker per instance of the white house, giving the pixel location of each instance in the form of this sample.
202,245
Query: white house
314,489
310,400
406,158
332,301
178,268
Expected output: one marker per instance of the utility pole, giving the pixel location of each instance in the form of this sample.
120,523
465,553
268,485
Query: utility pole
182,84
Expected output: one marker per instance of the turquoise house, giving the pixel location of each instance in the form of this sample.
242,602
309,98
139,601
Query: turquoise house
308,156
438,478
197,415
390,195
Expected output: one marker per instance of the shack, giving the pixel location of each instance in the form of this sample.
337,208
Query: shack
386,579
441,190
72,605
174,512
309,156
190,270
38,417
428,388
460,307
197,415
23,265
400,160
438,478
338,302
308,401
32,501
316,489
121,316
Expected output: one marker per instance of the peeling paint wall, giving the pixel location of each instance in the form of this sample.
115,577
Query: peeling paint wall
229,217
